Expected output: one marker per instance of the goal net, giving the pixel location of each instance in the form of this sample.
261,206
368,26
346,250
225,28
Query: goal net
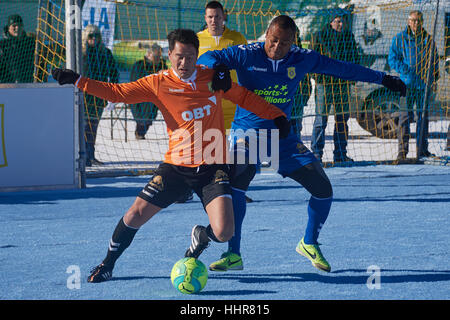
132,139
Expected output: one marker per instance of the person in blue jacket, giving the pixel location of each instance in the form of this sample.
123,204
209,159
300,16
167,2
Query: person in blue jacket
273,70
410,56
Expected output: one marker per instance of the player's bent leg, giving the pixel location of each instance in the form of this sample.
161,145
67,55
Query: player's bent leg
139,213
221,218
220,229
231,259
241,176
215,194
314,179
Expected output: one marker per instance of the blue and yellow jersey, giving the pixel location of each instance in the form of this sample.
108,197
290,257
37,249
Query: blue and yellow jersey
277,80
227,39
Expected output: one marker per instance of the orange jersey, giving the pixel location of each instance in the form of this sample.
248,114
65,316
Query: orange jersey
193,114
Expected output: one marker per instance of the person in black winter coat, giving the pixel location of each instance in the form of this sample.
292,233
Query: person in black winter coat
16,52
145,113
98,64
338,43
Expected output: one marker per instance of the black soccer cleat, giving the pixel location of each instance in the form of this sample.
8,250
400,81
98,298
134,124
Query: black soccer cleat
100,273
199,242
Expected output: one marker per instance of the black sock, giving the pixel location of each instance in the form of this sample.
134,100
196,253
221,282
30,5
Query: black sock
211,235
120,240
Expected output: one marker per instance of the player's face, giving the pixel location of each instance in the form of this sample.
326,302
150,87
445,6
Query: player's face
278,42
183,58
214,19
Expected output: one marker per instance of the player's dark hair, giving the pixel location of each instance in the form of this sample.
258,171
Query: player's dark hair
214,5
185,36
285,23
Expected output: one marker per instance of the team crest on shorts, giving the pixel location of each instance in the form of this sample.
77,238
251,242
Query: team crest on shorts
221,176
157,183
301,148
291,72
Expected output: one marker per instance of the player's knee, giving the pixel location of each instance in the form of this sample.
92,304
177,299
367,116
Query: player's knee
321,188
139,213
325,190
313,178
133,218
224,233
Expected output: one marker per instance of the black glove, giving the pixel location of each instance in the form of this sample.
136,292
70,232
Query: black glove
65,76
221,79
394,84
283,125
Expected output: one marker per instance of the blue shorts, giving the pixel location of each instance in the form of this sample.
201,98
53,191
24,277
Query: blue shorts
292,153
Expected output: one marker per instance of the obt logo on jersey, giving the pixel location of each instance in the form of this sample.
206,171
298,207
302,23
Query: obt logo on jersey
196,113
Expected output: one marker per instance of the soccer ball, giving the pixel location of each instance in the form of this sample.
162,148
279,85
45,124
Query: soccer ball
189,275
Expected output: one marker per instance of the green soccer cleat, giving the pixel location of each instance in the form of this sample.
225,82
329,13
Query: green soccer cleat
313,253
228,261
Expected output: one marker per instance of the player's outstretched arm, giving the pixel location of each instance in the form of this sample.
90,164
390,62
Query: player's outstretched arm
353,72
138,91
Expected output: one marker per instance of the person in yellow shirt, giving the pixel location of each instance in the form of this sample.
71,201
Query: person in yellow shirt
217,36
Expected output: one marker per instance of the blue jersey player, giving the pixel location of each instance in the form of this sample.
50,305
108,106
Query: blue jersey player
273,69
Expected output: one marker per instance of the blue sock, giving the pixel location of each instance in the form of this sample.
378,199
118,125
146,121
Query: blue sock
239,208
318,210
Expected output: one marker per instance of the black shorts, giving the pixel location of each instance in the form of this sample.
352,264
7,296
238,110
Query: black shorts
170,182
241,175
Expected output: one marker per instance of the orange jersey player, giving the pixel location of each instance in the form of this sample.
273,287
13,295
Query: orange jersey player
189,108
186,105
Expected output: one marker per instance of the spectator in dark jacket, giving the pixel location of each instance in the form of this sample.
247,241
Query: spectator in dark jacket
339,43
145,113
16,52
98,64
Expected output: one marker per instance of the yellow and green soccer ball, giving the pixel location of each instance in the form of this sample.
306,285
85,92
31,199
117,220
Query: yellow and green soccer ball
189,275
